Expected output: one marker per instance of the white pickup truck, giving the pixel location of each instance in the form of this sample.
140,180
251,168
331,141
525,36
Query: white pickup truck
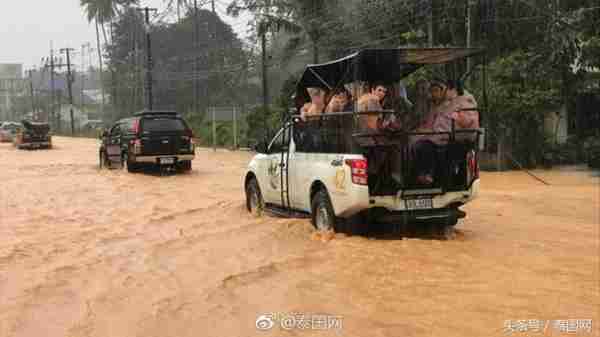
328,168
330,186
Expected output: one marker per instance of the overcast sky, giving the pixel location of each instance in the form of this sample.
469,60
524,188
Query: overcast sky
27,27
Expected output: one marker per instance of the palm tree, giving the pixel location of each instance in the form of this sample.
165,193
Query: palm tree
179,4
101,12
299,18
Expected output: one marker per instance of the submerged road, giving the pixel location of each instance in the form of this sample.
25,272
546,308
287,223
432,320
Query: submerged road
85,252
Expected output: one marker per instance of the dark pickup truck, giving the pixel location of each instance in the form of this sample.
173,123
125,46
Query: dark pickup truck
148,138
33,136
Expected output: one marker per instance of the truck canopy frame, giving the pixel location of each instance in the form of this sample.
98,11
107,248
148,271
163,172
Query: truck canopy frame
375,65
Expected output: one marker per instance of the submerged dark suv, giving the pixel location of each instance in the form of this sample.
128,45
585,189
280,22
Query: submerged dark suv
33,135
148,138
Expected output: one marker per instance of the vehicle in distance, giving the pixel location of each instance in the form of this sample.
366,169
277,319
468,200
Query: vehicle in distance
33,135
149,138
8,130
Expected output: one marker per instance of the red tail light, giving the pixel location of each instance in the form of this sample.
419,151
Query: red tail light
358,168
473,165
136,126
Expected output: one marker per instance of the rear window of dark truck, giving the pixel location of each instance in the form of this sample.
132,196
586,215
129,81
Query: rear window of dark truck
162,125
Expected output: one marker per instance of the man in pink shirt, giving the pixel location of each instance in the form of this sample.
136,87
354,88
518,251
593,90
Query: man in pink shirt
453,107
437,95
458,107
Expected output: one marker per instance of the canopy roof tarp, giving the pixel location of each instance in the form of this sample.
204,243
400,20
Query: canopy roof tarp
385,65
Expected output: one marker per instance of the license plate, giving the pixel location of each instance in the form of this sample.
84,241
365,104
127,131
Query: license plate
167,160
419,203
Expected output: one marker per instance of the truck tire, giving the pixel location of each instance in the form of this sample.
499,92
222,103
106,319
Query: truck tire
255,204
102,160
322,215
132,167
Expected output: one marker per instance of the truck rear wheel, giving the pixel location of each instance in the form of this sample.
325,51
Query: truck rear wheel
102,160
132,167
323,216
444,229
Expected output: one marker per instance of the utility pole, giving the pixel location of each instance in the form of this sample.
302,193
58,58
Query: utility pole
31,92
149,64
430,24
216,44
70,86
196,59
56,117
468,30
52,86
50,64
82,73
101,73
314,42
264,71
235,132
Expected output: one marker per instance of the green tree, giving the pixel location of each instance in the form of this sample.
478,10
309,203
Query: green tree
210,73
102,12
305,21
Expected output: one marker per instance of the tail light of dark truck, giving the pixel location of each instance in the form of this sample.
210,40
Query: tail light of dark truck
472,166
189,137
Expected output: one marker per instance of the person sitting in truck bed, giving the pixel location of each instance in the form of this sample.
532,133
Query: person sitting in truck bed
340,102
437,102
372,102
466,115
403,109
458,106
316,106
449,103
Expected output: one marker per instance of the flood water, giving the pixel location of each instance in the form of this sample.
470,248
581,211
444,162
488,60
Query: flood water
85,252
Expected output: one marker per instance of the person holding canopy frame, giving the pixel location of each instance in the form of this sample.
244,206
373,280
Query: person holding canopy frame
317,104
370,102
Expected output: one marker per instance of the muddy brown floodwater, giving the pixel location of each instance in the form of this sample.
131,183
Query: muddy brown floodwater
105,253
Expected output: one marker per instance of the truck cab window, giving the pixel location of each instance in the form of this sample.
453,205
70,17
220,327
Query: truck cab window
280,142
115,131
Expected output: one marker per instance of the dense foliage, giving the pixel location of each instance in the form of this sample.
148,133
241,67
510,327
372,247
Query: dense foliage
540,54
